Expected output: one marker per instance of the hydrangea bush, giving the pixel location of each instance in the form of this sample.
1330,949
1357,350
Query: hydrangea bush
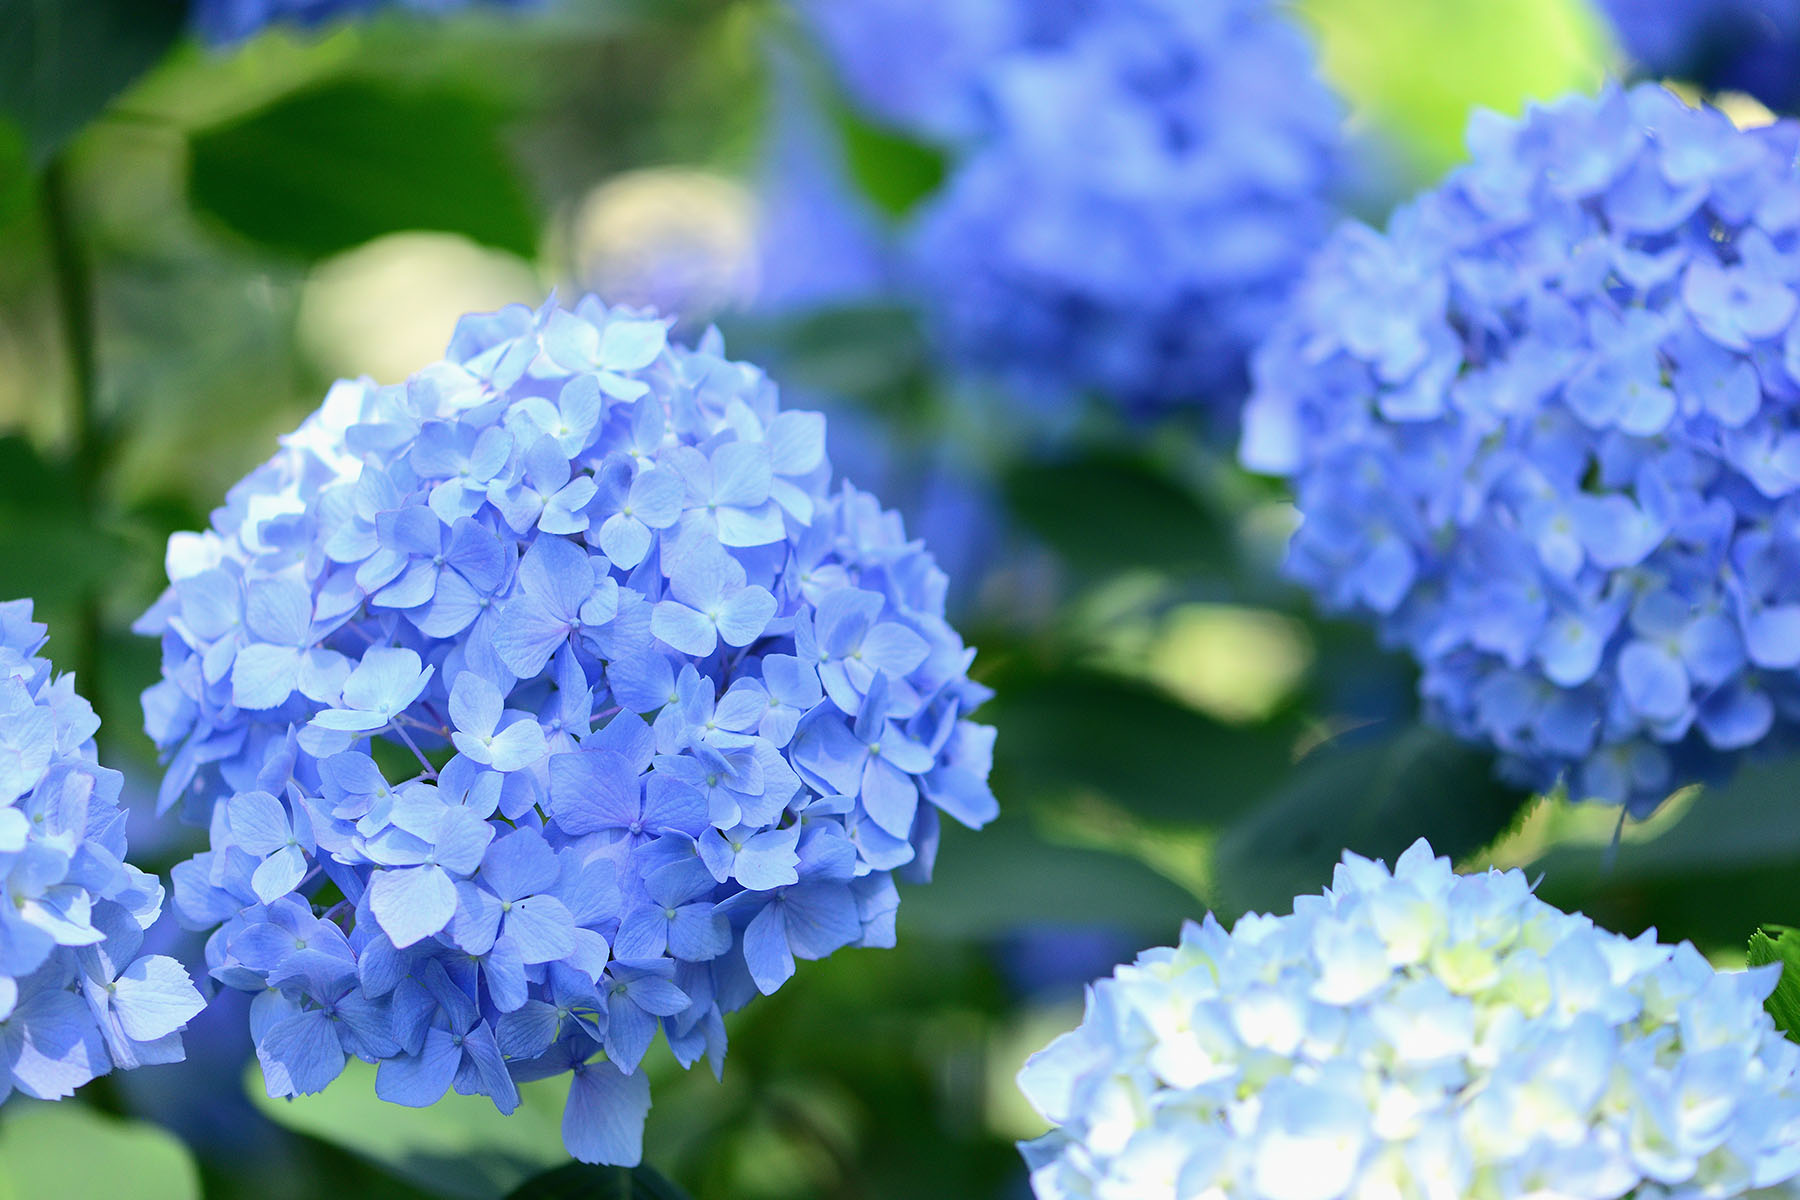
550,698
1748,46
1419,1034
224,22
76,998
1143,192
1543,432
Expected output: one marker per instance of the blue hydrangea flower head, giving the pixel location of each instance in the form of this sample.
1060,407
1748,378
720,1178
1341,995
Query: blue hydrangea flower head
1142,195
225,22
818,242
916,66
1419,1033
1748,46
1541,432
672,711
76,997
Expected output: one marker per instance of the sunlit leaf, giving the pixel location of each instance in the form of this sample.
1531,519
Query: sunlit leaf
460,1147
52,1151
1414,68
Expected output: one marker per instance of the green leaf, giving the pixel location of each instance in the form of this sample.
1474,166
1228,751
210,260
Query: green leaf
49,548
15,171
331,167
462,1147
873,353
1784,947
1715,870
1375,792
1413,69
583,1181
1750,820
58,1151
1007,875
893,170
62,61
1075,729
1107,511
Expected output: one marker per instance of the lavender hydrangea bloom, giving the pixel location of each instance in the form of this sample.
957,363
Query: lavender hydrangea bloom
678,712
76,998
1748,46
1541,432
1143,194
1419,1033
223,22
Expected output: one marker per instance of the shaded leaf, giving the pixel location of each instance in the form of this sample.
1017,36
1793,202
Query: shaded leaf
49,549
1719,868
893,170
1132,742
1007,875
68,1149
62,61
1106,511
333,166
584,1181
873,353
1750,820
1784,947
1374,791
15,171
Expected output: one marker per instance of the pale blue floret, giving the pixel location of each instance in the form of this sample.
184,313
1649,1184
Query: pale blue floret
1539,431
595,585
76,998
1419,1034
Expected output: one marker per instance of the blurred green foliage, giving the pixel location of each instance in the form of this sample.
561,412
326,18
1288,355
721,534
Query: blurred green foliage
1179,728
331,167
62,61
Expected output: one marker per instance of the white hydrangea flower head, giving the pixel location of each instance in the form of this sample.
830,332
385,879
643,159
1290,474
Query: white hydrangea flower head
1419,1035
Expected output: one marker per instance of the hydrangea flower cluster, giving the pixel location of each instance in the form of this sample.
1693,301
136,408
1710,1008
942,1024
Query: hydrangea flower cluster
819,243
916,65
76,998
1143,195
1419,1034
224,22
669,713
1544,432
1748,46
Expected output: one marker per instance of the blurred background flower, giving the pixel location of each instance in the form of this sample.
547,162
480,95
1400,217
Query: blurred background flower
1750,46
